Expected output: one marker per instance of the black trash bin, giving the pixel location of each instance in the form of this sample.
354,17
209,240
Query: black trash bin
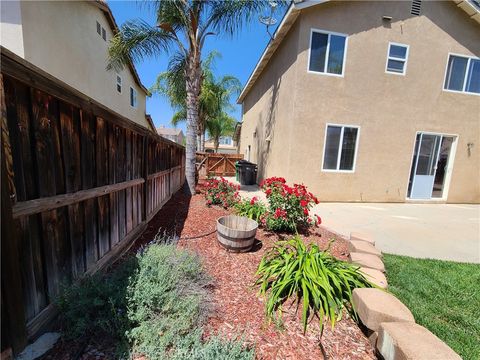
247,172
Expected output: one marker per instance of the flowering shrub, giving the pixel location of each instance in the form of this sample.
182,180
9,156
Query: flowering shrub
251,208
288,207
221,192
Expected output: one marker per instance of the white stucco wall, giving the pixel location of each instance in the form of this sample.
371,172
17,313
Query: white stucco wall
11,34
61,38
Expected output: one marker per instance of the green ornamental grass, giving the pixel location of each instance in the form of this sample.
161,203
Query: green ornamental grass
318,281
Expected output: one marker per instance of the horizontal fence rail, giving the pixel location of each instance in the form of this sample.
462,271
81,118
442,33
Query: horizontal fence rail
80,183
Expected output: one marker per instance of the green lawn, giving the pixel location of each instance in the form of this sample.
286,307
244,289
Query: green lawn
443,296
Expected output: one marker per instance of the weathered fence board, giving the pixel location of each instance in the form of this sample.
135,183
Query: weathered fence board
81,184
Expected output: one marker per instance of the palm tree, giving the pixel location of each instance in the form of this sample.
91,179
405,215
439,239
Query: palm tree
222,125
185,26
215,93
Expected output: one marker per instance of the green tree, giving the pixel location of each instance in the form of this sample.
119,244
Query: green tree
183,25
214,99
221,125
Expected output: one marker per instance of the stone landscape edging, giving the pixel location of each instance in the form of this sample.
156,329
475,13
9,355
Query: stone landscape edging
392,330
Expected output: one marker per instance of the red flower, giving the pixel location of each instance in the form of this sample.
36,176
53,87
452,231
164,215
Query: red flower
305,211
279,213
319,219
268,192
253,201
303,203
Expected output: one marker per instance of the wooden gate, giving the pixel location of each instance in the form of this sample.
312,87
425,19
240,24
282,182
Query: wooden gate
216,164
79,184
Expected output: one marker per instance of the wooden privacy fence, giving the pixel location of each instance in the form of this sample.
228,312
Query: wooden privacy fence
79,184
216,164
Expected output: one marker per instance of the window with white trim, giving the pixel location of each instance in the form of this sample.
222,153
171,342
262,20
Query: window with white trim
133,97
463,74
397,59
340,148
119,84
327,52
225,140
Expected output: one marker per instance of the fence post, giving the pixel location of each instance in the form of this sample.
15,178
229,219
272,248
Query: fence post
145,176
12,293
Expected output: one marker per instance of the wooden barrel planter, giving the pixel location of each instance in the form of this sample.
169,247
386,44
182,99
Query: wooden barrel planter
236,233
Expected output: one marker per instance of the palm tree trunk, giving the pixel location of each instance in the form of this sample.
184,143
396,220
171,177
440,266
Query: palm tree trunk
193,80
216,143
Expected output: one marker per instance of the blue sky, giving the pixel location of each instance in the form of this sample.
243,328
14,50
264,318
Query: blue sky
239,56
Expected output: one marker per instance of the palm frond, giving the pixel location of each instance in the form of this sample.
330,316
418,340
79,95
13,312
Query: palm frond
135,41
179,117
228,16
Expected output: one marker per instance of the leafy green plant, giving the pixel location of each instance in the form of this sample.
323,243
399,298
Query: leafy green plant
168,301
251,208
318,281
96,306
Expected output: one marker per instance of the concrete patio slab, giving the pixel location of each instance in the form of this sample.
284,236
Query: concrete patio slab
438,231
435,231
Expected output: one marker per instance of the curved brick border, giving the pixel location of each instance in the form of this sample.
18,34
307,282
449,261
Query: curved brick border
391,327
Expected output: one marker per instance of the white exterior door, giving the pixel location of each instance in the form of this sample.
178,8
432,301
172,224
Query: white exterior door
425,165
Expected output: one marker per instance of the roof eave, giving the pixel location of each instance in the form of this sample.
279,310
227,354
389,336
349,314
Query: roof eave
472,11
287,22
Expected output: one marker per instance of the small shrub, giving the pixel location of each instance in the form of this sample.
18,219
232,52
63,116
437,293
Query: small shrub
168,301
216,348
288,207
96,306
319,281
251,208
221,192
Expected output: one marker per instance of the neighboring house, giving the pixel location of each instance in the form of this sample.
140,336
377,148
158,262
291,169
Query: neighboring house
370,101
69,40
226,145
171,134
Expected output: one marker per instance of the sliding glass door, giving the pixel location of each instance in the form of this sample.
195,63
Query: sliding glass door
429,166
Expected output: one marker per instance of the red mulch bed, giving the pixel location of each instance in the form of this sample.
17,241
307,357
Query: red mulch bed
238,310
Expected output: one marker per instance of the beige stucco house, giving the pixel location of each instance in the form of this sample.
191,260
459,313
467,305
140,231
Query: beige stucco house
173,134
226,145
374,101
69,40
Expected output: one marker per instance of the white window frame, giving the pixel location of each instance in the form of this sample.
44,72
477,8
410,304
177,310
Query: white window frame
405,61
469,57
339,155
327,54
117,76
135,105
